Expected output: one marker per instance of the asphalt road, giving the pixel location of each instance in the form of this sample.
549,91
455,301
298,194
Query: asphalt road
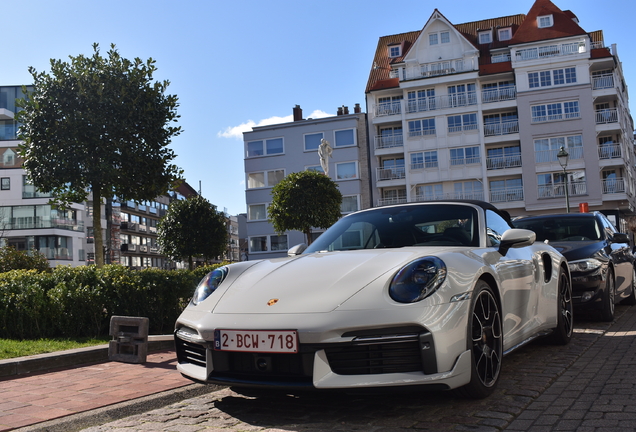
588,385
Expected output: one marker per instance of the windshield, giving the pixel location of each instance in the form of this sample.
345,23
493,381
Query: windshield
424,225
562,228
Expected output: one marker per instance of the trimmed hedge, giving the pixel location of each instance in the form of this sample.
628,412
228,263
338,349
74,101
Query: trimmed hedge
79,301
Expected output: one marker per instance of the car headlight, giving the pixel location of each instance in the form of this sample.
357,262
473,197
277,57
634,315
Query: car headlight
584,265
208,285
417,280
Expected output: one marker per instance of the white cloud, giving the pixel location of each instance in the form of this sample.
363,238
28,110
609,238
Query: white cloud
237,131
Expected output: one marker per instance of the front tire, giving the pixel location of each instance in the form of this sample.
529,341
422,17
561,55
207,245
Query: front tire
485,341
562,333
609,298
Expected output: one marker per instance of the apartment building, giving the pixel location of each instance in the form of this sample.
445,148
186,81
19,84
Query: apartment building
480,110
27,220
272,152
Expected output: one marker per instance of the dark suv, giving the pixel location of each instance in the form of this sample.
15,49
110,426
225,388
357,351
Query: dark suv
600,258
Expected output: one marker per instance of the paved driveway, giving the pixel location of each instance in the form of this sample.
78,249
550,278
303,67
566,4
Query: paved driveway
588,385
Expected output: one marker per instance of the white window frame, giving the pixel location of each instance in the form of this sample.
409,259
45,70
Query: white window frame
264,142
545,21
442,37
393,47
552,75
357,199
335,139
266,181
268,243
433,39
501,33
357,174
485,37
305,140
249,213
555,117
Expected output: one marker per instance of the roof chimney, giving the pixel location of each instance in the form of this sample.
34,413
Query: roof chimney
339,110
346,109
298,113
357,109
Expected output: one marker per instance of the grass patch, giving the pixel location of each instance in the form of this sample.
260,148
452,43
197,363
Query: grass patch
10,348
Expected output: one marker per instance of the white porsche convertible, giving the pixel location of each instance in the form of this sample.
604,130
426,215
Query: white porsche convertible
428,294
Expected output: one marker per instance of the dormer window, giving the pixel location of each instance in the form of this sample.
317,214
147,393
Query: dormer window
504,34
485,37
545,21
395,51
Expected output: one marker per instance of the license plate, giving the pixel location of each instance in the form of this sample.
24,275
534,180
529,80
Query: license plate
265,341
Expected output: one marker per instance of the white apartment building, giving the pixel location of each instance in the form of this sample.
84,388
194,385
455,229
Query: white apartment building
27,220
272,152
480,110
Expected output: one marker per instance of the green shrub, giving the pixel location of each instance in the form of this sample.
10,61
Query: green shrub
12,259
79,301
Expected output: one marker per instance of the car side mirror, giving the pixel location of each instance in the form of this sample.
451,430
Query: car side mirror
296,250
516,238
620,238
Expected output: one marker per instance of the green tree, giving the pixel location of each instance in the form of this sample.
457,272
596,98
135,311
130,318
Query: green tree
99,125
192,228
304,200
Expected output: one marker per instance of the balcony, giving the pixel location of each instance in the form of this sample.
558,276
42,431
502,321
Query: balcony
499,94
504,128
388,141
548,156
502,162
558,190
549,51
391,201
604,81
390,173
506,195
428,70
388,108
433,103
607,115
614,185
465,161
610,151
422,165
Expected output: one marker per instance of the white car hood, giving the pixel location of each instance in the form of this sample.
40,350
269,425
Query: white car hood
312,283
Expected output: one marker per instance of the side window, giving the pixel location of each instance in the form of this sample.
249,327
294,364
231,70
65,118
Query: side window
608,227
495,227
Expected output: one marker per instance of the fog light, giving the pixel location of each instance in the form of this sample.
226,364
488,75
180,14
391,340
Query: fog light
587,296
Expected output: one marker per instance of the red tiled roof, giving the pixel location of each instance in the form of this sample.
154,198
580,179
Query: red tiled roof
563,24
379,75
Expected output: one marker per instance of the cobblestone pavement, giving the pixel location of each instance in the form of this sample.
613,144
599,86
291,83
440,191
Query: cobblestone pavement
588,385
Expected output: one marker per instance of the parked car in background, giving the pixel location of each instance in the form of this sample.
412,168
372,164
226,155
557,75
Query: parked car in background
600,258
427,294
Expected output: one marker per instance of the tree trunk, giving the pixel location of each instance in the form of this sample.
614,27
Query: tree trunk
97,227
308,235
190,262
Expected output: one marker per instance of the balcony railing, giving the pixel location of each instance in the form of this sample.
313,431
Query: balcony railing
465,161
616,185
19,223
502,162
391,201
500,58
506,195
479,195
441,102
498,94
437,69
558,190
602,81
610,151
390,141
546,156
504,128
550,51
388,108
422,165
390,173
607,115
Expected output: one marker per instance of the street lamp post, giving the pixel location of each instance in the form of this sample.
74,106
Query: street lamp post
563,156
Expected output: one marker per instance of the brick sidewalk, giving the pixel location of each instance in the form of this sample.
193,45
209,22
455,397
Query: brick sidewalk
31,399
597,393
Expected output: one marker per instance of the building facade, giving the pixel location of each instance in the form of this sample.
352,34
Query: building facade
272,152
27,220
480,110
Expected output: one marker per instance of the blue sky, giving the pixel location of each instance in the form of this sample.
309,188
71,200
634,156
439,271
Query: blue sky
235,64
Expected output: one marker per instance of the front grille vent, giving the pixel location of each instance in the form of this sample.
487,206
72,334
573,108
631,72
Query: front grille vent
403,355
190,352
